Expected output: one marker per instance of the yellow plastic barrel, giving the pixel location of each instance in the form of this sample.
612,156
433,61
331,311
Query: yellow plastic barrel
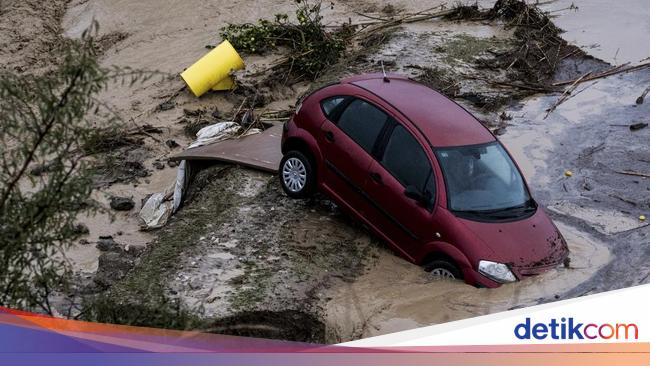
226,84
211,70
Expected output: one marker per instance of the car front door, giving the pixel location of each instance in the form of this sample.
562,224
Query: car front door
347,138
401,165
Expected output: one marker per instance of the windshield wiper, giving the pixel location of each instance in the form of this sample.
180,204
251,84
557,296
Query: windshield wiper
505,212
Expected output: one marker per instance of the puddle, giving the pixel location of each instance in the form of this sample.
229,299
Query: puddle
396,295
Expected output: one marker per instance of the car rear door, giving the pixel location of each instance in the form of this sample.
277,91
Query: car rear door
348,136
402,163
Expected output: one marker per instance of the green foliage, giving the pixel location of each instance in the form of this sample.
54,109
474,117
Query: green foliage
47,120
165,314
311,48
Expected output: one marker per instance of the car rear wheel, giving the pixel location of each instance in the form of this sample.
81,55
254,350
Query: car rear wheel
443,270
297,175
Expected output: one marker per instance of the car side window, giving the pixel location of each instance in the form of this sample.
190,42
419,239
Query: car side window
406,160
363,122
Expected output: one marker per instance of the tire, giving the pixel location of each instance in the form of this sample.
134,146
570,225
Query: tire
443,269
297,175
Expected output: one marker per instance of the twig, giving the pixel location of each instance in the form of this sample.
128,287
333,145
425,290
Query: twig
630,172
594,150
407,19
623,199
639,100
613,71
565,94
141,130
533,87
371,17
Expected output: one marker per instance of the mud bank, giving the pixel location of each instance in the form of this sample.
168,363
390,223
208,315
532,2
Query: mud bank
240,250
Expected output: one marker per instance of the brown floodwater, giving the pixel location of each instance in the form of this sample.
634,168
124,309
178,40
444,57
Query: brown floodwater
396,295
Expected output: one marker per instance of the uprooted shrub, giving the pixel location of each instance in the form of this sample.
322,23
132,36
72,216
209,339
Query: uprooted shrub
310,47
539,47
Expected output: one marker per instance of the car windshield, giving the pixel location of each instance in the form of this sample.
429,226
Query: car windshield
482,179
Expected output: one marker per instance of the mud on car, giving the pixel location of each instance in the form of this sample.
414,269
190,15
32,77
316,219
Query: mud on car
424,175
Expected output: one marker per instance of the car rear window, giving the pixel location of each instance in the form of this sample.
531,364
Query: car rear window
362,122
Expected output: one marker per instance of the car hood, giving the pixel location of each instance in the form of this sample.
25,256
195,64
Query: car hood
529,246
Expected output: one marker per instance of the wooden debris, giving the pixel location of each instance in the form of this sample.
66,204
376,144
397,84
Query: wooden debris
638,126
567,92
639,100
630,172
613,71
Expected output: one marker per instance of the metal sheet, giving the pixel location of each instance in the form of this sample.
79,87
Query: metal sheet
260,151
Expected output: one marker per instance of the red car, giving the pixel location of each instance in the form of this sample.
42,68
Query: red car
424,175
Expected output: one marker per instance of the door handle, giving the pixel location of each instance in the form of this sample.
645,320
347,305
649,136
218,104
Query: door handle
329,136
376,177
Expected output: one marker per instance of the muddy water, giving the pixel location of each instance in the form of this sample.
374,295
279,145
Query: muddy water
396,295
614,31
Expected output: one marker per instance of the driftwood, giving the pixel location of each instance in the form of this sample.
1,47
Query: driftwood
639,100
370,28
630,172
566,94
613,71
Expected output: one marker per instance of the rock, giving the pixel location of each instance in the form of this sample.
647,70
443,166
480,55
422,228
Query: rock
171,144
122,203
192,112
84,242
80,229
172,163
165,106
41,169
107,244
195,284
112,267
158,165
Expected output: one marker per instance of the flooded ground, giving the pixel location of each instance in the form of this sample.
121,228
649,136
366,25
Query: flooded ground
394,295
241,255
611,32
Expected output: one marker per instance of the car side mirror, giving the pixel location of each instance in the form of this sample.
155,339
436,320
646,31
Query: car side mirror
414,194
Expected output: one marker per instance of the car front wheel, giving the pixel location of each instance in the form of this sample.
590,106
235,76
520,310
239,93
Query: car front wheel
297,175
442,269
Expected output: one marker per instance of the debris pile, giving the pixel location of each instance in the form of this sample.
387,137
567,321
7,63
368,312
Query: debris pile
310,47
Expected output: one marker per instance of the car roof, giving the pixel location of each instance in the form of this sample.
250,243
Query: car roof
443,122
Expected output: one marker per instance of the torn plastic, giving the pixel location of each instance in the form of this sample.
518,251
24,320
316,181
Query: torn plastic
213,133
156,211
161,206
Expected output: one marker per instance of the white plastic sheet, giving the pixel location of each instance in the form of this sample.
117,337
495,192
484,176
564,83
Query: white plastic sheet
160,206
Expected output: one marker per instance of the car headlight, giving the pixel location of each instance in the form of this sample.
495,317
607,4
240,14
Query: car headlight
496,271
